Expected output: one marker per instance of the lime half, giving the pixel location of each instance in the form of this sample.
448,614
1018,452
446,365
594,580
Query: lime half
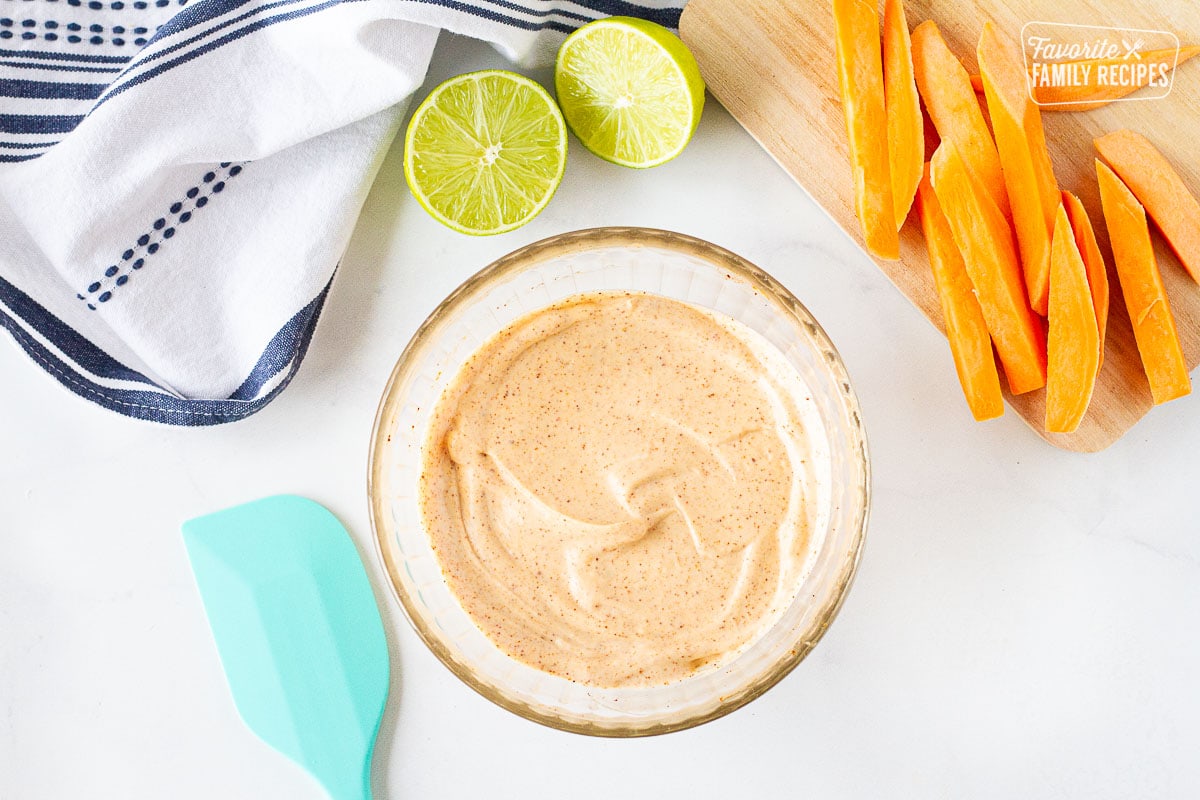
630,90
485,151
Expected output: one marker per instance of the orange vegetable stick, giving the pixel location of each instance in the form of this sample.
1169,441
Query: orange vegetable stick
1093,261
1043,169
905,127
1091,94
1158,187
954,109
1021,143
990,254
1142,286
1073,341
966,329
860,75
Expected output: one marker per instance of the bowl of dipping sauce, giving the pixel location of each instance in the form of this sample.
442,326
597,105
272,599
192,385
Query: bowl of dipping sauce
619,481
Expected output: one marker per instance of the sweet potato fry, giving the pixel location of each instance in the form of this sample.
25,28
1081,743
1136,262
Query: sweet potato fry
970,342
990,254
1073,340
954,109
1021,142
1093,262
860,75
905,127
1142,287
1160,190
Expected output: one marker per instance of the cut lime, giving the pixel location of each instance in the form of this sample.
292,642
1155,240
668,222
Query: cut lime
630,90
485,151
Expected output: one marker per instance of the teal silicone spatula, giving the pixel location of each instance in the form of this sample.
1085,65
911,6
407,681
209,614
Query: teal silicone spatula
298,632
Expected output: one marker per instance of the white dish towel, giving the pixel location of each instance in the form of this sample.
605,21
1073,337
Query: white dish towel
178,178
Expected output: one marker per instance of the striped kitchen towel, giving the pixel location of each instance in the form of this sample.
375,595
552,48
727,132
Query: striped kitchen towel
178,178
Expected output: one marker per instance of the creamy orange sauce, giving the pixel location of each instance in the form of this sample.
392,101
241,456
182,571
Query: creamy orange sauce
620,488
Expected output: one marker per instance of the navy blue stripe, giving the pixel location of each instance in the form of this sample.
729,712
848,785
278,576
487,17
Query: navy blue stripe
141,405
39,123
541,12
668,17
451,4
487,14
27,145
202,12
58,67
64,337
204,35
65,56
42,90
663,16
195,15
161,407
281,350
7,159
141,77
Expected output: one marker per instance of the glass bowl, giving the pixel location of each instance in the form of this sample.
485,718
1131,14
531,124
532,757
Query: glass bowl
536,276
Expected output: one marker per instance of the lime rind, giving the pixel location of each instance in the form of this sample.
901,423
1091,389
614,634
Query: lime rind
485,152
630,90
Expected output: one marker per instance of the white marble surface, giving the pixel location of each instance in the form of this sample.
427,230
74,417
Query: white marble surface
1024,623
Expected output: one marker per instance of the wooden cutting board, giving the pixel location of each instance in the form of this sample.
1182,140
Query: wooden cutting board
771,63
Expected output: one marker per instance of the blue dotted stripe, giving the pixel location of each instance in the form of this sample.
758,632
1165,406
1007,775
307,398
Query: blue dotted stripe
162,229
27,145
74,32
119,5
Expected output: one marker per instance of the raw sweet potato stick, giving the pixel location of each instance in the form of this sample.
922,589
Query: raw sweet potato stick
1160,190
905,126
1093,262
970,342
1021,142
952,105
1073,340
860,76
990,254
1142,288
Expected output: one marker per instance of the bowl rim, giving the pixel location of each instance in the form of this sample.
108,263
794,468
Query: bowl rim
566,244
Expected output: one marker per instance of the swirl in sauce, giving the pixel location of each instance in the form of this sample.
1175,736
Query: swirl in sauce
619,488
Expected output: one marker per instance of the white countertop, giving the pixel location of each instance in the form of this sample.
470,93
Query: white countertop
1024,622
